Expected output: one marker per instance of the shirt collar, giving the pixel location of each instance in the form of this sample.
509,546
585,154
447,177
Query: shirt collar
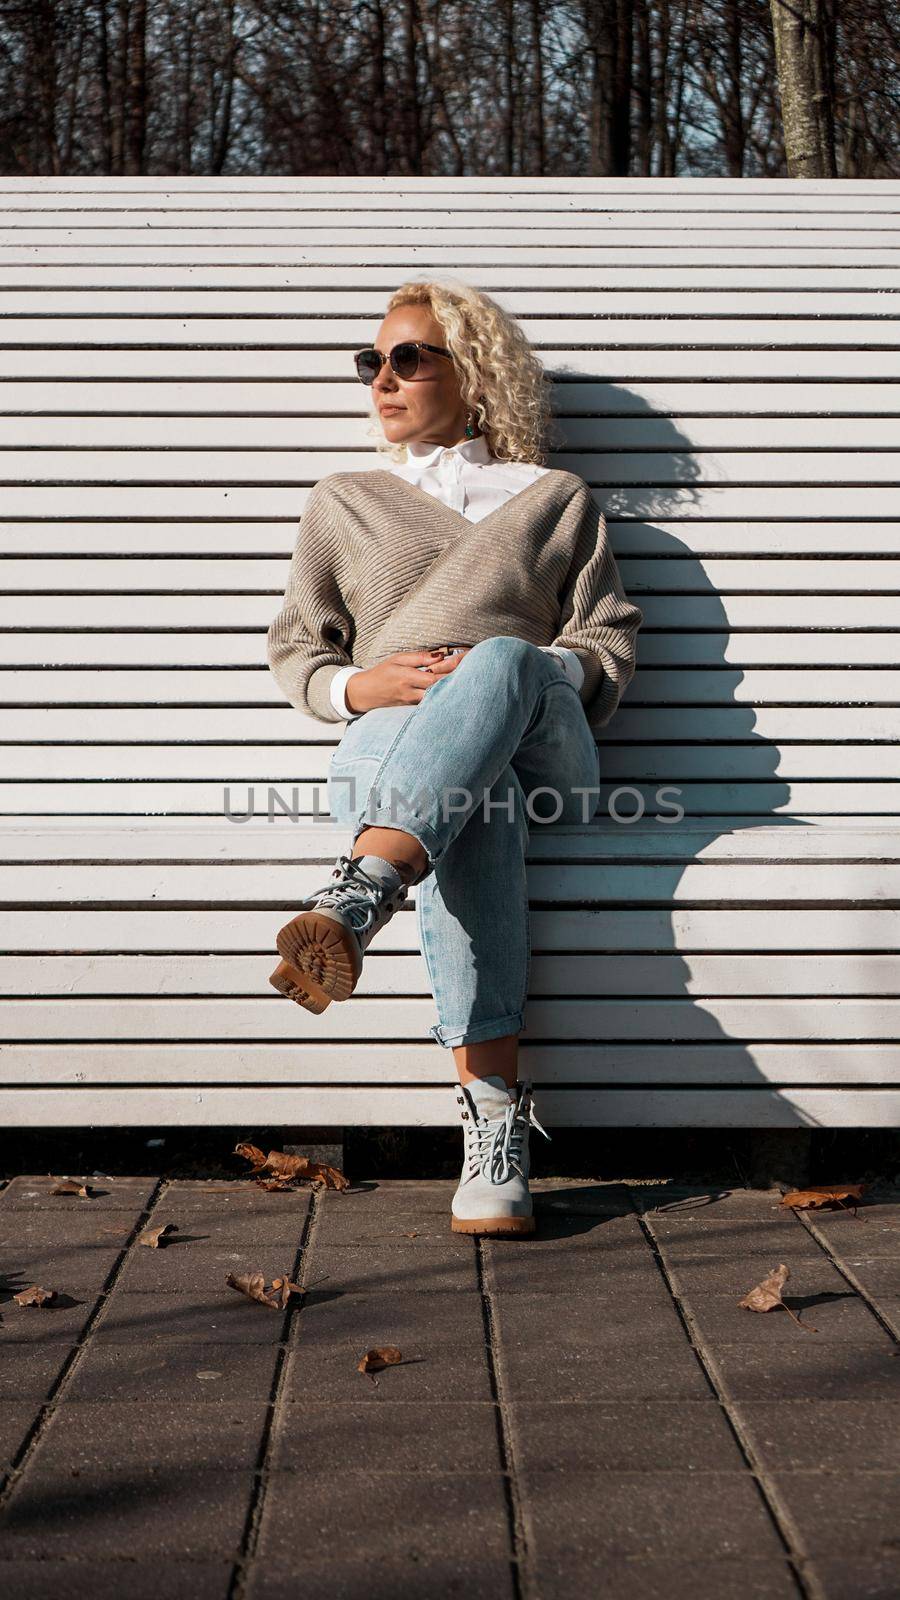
423,456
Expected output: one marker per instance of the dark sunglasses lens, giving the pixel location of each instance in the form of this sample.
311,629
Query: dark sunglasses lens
405,359
368,365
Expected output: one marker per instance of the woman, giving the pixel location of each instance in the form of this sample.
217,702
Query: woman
463,613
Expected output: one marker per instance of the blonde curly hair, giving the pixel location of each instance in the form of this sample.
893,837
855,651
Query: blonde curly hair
500,377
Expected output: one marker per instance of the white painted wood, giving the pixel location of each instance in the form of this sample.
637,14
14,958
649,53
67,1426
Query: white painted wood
249,1106
729,385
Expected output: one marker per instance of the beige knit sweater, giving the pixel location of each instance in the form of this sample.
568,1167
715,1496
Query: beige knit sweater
380,565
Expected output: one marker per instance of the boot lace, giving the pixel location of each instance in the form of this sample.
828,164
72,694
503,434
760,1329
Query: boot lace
351,893
497,1145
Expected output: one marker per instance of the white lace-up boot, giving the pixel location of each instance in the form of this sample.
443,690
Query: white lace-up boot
493,1195
323,946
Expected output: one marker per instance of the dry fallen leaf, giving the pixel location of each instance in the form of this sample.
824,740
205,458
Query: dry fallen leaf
286,1172
152,1236
72,1186
253,1285
34,1296
767,1295
386,1355
820,1195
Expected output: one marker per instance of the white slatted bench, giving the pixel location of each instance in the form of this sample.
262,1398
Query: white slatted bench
177,374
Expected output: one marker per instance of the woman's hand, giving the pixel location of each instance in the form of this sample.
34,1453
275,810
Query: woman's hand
399,680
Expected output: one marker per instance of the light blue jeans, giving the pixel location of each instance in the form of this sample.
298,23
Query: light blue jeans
498,743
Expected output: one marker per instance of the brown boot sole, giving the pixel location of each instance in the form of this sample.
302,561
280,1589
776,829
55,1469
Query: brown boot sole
291,983
496,1226
323,953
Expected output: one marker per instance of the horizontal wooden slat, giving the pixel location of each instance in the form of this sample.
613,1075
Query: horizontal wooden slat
878,330
737,799
335,409
412,1106
716,652
60,575
563,928
874,296
602,436
716,839
279,764
652,188
135,498
623,360
159,725
565,1020
685,975
513,274
704,611
631,883
212,467
773,694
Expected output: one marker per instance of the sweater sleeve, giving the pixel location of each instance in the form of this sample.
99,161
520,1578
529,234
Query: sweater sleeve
308,642
597,620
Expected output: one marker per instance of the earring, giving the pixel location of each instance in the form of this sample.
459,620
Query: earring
470,431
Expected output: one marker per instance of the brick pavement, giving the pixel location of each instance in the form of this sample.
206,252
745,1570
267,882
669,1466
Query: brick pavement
584,1413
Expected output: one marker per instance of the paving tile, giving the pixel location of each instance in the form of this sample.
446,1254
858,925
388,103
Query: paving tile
444,1438
836,1436
874,1231
878,1275
562,1232
810,1370
359,1225
24,1231
703,1276
235,1197
16,1419
182,1264
621,1578
112,1194
623,1436
206,1230
28,1371
585,1271
557,1367
732,1236
458,1574
214,1315
404,1267
833,1316
857,1577
89,1579
198,1512
58,1321
580,1197
169,1435
652,1515
837,1513
173,1371
441,1336
429,1197
374,1517
676,1200
80,1274
609,1316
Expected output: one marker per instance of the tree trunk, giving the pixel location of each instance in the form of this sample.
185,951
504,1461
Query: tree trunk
804,56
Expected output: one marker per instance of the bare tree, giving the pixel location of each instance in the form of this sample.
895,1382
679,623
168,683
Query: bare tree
644,87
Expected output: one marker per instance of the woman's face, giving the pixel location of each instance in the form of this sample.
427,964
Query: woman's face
429,407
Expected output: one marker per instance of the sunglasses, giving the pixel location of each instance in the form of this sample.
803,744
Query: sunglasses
404,359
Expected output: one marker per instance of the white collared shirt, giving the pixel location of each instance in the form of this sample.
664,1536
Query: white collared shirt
470,480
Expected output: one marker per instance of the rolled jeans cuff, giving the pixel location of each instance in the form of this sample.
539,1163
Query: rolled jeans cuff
497,1029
